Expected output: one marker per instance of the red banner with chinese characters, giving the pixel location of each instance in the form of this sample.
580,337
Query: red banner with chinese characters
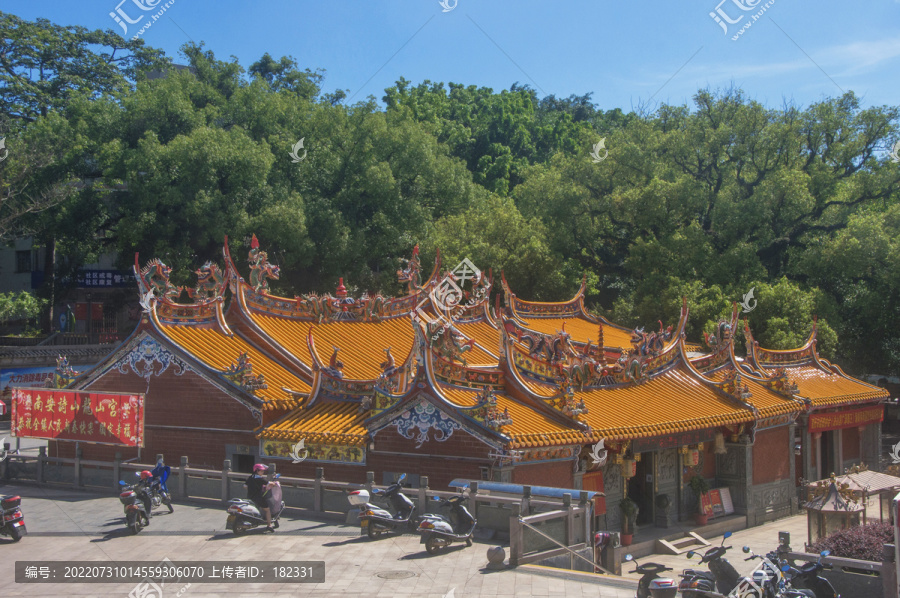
822,422
80,416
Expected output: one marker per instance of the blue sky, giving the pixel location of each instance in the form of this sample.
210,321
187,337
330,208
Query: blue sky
628,54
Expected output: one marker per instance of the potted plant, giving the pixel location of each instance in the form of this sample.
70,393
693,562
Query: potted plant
629,515
700,487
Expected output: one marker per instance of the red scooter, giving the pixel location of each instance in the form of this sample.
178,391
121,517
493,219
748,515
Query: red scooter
13,521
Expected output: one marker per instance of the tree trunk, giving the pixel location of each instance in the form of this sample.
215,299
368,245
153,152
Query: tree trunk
50,282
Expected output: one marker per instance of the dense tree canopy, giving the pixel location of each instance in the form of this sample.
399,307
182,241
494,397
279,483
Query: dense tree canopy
706,201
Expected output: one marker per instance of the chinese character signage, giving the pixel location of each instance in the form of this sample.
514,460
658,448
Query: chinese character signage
104,278
822,422
81,416
19,377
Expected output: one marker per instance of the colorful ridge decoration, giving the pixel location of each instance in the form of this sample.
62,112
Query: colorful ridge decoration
241,373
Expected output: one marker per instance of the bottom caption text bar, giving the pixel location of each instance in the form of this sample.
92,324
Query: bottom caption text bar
170,572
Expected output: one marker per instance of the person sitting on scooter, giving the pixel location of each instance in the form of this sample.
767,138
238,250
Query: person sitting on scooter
160,472
256,488
143,490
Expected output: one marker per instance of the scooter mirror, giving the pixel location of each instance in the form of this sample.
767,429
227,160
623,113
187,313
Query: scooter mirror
825,553
785,568
629,558
137,473
746,549
690,554
727,535
437,499
402,477
121,483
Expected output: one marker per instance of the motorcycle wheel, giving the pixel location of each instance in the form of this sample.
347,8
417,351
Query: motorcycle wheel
155,501
241,527
134,524
372,532
432,546
16,533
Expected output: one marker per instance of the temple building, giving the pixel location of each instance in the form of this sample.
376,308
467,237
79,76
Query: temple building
439,382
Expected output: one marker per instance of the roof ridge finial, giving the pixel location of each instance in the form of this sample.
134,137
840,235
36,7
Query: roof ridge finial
341,289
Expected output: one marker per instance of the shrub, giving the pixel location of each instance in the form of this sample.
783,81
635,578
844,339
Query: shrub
860,542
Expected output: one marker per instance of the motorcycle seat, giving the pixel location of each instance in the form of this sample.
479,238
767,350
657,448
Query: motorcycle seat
698,573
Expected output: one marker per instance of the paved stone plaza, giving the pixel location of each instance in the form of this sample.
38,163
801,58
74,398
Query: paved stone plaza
67,525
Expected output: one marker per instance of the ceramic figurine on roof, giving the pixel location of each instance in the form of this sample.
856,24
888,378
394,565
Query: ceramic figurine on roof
210,282
345,307
64,374
486,410
155,277
780,383
650,343
579,370
260,268
631,367
721,338
241,373
569,405
371,309
447,343
412,274
321,308
388,378
334,366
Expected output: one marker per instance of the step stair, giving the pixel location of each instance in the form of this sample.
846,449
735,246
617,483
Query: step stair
691,541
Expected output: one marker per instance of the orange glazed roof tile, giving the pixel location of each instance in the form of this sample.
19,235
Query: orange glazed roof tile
219,351
483,333
362,344
826,389
675,401
581,330
290,334
529,428
335,422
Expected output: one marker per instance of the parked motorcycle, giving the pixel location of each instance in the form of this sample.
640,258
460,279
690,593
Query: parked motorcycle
134,497
721,578
651,584
807,577
439,532
13,524
377,520
243,514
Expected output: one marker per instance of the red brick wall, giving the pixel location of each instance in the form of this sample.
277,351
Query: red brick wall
850,439
186,401
557,474
771,456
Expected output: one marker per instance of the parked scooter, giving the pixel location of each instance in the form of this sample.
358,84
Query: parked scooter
439,532
377,520
765,580
807,577
721,577
13,524
651,584
243,514
134,497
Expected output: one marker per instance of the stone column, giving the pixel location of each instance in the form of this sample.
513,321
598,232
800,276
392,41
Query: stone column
667,473
792,431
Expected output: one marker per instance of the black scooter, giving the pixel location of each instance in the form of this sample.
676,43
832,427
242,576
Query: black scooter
377,520
651,584
439,532
807,577
721,578
135,498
